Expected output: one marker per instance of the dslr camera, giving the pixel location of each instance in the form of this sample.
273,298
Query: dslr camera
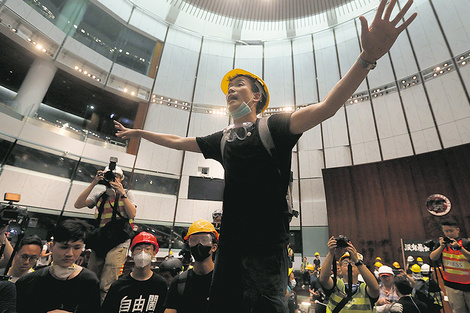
12,213
109,175
341,241
447,240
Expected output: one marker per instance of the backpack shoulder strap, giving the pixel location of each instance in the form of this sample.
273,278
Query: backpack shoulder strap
265,136
104,198
183,277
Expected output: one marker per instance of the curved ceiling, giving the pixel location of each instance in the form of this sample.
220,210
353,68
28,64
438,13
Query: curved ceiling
259,10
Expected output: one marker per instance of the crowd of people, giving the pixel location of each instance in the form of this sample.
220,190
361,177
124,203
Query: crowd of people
344,283
247,266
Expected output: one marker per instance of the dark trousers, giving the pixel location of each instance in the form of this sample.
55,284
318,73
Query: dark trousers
252,281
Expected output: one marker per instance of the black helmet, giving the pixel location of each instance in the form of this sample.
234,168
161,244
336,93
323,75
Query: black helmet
172,265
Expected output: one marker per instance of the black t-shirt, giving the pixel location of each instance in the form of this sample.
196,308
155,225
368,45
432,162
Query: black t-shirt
255,184
39,292
129,295
195,298
7,296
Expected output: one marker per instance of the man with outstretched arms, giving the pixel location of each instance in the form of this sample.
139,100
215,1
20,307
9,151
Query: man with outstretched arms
252,254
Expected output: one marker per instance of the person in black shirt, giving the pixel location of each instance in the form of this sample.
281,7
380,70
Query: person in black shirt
406,303
189,291
256,181
141,290
63,285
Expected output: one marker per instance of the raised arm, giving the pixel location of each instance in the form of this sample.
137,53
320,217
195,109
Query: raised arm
166,140
325,273
376,40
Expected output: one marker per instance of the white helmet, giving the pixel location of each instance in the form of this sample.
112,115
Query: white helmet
117,171
425,268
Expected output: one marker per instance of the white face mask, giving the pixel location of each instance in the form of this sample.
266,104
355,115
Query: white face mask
62,273
142,259
293,283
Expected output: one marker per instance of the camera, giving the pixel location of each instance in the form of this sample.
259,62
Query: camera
11,213
341,241
109,175
447,240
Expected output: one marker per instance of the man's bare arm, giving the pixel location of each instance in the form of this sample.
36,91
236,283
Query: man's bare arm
166,140
376,40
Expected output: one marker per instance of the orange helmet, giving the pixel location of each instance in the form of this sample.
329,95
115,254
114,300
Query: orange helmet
201,226
144,237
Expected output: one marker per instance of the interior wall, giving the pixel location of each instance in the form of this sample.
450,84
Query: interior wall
375,205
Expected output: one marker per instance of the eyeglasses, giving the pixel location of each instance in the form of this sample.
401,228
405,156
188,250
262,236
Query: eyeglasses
26,257
205,240
146,248
238,131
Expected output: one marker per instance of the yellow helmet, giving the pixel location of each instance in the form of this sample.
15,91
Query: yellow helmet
201,226
291,269
396,264
378,258
415,268
239,72
316,253
378,264
310,267
346,255
419,259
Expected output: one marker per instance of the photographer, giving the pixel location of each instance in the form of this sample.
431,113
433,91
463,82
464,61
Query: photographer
5,246
453,253
115,204
348,294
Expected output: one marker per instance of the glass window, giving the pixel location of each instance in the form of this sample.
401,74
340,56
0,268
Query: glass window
154,183
50,9
5,146
99,31
162,233
41,161
136,52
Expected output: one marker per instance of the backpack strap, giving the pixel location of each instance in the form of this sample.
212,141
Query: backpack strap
103,197
182,278
266,137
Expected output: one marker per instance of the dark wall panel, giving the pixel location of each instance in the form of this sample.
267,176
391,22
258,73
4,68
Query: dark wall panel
375,205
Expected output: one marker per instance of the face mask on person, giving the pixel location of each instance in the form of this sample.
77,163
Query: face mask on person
242,110
200,252
293,283
142,259
62,273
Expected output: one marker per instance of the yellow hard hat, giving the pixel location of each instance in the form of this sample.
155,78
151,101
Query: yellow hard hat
201,226
316,253
291,269
239,72
419,259
346,255
309,267
378,258
378,264
396,264
415,268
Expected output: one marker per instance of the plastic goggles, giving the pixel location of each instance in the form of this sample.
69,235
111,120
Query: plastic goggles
205,240
238,131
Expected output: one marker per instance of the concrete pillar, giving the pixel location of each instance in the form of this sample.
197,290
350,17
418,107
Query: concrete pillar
34,87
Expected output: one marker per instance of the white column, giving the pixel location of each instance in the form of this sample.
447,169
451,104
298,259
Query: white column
34,87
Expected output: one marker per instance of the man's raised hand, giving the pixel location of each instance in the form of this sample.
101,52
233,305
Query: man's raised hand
377,39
